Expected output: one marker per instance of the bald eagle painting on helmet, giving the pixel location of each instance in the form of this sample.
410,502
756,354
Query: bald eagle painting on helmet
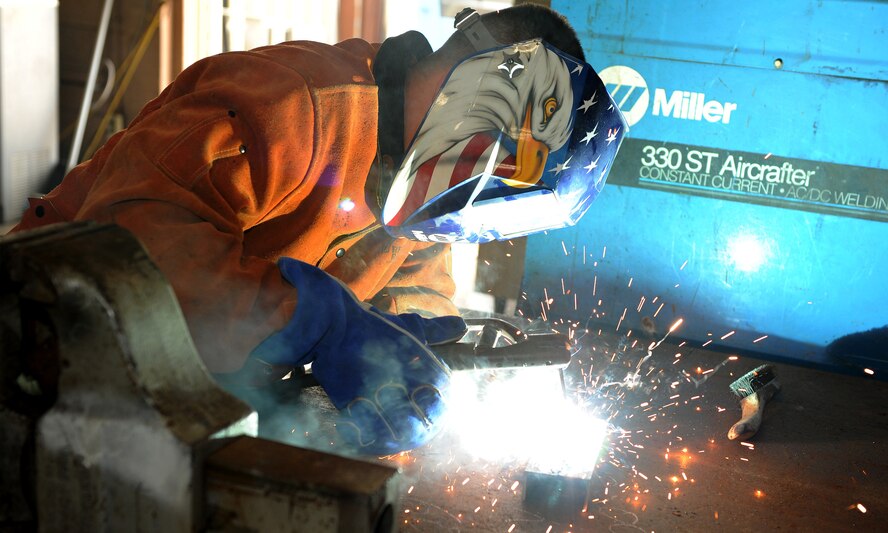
513,144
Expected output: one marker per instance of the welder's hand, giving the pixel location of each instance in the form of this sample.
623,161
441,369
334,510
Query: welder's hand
375,367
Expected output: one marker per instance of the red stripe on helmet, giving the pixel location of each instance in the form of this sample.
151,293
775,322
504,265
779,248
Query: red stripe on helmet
468,159
416,196
506,167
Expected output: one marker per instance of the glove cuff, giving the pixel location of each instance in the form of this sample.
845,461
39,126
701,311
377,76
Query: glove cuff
318,316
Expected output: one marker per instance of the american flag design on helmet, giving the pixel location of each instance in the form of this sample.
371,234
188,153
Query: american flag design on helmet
442,172
518,140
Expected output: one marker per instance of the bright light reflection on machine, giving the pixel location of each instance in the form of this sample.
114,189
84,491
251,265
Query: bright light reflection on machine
522,416
747,252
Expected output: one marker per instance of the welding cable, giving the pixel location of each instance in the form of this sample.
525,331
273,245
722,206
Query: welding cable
129,67
83,114
109,86
110,80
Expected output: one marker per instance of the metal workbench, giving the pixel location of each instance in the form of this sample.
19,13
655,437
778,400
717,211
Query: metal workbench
819,462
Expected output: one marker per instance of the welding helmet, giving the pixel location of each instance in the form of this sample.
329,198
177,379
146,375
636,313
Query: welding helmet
518,140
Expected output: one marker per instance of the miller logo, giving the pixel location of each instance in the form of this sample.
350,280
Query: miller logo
631,94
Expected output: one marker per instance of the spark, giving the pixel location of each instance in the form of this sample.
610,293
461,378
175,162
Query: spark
869,371
759,494
861,508
496,419
726,335
623,316
763,337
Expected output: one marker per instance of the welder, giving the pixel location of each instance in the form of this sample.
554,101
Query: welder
300,197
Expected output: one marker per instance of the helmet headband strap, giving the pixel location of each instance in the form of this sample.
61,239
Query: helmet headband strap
393,61
468,22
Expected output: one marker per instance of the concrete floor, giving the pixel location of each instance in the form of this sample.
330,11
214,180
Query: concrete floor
818,463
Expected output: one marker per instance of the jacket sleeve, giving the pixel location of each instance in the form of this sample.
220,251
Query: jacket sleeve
231,138
423,284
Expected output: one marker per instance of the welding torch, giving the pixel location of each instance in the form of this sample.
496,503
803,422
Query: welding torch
489,344
493,343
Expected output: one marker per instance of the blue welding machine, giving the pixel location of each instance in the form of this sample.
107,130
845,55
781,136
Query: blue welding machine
750,198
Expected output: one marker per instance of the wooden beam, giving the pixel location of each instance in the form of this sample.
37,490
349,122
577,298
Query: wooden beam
364,19
171,38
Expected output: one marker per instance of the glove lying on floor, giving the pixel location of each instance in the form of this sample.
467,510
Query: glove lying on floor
376,367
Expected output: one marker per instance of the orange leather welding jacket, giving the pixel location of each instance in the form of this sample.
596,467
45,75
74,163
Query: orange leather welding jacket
247,157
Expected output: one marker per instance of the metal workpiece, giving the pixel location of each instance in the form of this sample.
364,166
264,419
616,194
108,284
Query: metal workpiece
493,343
105,403
259,485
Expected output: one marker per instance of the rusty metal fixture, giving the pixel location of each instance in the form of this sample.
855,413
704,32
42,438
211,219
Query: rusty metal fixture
260,485
105,403
110,422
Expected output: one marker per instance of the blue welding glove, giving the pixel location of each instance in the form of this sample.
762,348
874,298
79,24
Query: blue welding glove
375,367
